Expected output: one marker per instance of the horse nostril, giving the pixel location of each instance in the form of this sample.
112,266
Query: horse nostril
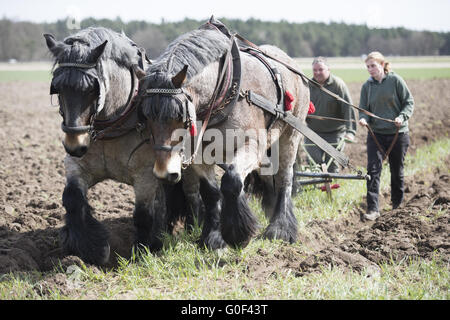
83,149
78,152
173,177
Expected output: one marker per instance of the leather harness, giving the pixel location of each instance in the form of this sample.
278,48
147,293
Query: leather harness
219,108
118,126
223,99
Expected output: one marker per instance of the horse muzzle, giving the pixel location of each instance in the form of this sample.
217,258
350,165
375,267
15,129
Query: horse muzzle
169,170
76,145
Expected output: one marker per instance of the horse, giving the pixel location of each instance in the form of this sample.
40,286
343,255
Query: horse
96,86
193,80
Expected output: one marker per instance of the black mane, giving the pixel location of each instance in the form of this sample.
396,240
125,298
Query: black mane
76,49
197,49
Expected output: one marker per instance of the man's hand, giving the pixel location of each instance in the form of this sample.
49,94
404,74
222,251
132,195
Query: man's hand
363,122
398,122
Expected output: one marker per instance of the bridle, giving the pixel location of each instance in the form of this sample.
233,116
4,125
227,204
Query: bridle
99,129
185,100
221,103
98,107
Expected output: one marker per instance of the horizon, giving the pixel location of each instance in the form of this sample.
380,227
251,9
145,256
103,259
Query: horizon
416,15
220,18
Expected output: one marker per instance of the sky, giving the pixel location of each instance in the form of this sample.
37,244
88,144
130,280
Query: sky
432,15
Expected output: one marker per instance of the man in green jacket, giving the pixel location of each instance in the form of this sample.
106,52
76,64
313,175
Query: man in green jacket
343,124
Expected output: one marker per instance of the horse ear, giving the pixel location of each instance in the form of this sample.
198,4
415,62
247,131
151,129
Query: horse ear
179,78
52,44
97,52
50,40
138,71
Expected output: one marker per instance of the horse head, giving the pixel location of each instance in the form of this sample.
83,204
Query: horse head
178,86
79,93
94,80
170,115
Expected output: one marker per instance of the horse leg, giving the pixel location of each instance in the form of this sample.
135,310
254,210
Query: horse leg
211,236
82,234
195,210
238,223
150,215
269,196
283,223
177,207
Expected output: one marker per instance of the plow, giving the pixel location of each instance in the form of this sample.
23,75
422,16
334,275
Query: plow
317,174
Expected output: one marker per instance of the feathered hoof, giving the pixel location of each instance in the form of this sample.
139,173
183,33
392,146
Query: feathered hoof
94,252
212,241
238,239
152,246
276,233
237,222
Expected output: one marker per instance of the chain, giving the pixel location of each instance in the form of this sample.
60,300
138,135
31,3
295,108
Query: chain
77,65
92,130
164,91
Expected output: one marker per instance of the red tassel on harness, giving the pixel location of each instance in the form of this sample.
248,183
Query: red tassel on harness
312,108
333,186
193,129
288,98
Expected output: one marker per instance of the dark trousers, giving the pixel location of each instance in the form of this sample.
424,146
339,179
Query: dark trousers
396,164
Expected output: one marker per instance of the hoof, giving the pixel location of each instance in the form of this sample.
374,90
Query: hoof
238,224
213,241
90,252
152,246
277,233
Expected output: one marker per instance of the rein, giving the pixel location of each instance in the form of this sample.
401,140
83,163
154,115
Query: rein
380,148
311,116
212,104
301,74
100,128
328,92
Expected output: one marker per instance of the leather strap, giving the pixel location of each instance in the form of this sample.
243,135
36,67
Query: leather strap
380,148
113,128
305,78
298,125
212,102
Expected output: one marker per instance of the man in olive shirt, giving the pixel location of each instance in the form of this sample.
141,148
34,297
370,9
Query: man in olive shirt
326,106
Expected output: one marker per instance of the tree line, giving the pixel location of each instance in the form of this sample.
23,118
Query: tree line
23,41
